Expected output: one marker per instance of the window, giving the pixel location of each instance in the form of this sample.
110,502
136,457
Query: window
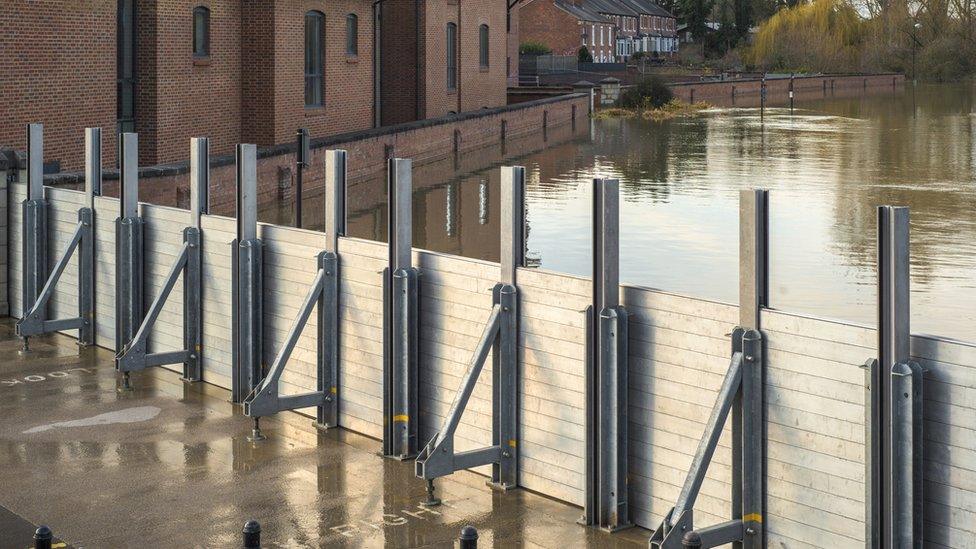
451,56
592,35
201,32
483,46
313,58
352,34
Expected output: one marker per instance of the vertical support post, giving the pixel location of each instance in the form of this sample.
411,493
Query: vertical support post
193,274
248,278
327,416
304,159
86,248
400,386
35,266
753,296
505,370
607,503
894,429
129,247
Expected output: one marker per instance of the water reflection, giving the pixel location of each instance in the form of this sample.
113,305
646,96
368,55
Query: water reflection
829,163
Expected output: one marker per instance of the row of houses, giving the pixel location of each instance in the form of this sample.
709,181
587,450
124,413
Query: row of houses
611,30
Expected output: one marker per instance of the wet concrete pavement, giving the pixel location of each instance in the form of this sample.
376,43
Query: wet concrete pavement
169,465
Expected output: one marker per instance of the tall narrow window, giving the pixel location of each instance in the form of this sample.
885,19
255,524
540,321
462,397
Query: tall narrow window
313,58
483,46
452,75
352,34
201,32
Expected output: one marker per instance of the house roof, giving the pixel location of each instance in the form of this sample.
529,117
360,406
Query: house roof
580,12
648,7
613,7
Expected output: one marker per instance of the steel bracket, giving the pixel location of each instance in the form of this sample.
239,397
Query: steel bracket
35,321
439,458
742,383
135,355
265,399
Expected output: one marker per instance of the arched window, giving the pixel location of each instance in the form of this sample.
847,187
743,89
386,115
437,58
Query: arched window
201,31
483,46
452,75
352,34
314,39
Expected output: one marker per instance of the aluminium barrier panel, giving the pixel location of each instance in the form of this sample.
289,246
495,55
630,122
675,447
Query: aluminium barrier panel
816,413
679,355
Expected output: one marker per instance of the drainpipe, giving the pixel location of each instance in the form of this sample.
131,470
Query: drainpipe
377,102
418,105
460,72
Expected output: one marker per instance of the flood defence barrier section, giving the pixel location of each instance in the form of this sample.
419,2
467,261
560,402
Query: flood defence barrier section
817,407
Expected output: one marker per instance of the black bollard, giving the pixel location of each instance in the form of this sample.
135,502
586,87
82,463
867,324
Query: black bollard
692,540
251,535
43,537
469,538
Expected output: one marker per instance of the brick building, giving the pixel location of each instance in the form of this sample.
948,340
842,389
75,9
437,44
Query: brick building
612,30
565,26
240,70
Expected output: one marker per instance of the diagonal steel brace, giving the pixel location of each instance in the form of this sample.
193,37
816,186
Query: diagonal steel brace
34,321
135,355
264,400
680,519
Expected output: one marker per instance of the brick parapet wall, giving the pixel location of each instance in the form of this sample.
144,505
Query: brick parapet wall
423,141
721,91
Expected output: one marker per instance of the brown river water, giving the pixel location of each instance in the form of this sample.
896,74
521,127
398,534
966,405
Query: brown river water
827,164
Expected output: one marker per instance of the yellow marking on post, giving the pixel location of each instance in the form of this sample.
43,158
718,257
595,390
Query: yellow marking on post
512,443
59,545
333,390
401,418
752,517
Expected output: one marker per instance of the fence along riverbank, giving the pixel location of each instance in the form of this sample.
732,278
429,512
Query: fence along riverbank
825,471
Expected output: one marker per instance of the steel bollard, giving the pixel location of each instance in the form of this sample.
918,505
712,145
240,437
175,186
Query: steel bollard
43,537
469,538
692,540
251,535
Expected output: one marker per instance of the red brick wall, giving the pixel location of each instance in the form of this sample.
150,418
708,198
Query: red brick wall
719,92
424,144
57,67
193,97
477,87
257,79
542,21
348,99
482,87
398,48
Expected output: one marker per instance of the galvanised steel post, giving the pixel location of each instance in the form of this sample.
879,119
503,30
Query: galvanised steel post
894,425
86,250
193,275
751,461
753,296
35,266
129,248
505,370
328,309
248,251
400,319
607,380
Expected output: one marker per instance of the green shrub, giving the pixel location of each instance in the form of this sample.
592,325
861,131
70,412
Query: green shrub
584,55
649,93
638,56
534,48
